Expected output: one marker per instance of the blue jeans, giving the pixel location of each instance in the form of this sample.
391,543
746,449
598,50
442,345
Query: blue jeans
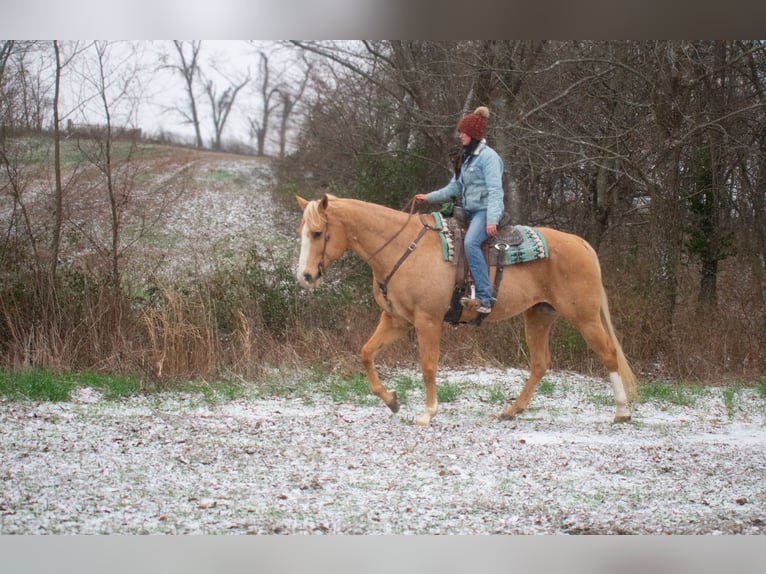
474,237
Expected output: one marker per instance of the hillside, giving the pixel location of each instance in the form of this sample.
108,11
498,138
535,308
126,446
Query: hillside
201,210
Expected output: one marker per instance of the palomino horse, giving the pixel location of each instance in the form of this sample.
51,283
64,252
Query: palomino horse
418,293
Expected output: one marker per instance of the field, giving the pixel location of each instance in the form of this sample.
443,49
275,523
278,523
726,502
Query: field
319,455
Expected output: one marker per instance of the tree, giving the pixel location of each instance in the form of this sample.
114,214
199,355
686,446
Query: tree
289,99
6,49
113,84
259,126
189,69
220,106
58,188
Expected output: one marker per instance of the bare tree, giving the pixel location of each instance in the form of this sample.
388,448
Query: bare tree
188,66
57,193
290,99
113,84
221,105
58,188
259,126
6,49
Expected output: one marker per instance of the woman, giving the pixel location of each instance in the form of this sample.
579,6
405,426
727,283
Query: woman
478,185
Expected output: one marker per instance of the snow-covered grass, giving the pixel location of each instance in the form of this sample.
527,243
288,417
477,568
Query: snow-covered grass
227,210
324,461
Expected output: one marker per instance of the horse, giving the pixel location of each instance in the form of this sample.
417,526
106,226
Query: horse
413,285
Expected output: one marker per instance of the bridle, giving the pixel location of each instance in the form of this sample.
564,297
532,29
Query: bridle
383,285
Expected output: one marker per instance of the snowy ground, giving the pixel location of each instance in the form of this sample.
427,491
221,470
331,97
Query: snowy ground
227,210
179,464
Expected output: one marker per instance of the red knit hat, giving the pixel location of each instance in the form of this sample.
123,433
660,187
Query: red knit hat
474,124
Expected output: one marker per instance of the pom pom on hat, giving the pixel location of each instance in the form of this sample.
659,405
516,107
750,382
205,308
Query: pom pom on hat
474,124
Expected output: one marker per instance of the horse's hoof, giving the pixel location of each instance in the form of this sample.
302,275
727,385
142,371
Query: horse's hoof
505,417
622,419
394,404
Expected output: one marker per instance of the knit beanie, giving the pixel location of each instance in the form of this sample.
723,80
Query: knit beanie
474,124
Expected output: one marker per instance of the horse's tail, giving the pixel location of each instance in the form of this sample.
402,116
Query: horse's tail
623,367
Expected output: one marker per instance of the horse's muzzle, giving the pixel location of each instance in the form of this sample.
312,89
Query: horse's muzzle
308,280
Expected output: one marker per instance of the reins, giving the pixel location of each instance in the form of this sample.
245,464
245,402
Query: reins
383,285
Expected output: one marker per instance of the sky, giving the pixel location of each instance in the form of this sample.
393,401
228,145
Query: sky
162,91
235,57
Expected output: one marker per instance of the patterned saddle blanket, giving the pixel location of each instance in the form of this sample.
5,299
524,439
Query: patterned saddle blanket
513,244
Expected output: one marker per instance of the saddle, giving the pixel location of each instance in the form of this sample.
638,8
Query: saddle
495,250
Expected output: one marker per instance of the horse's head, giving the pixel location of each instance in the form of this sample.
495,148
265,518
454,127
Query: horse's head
322,241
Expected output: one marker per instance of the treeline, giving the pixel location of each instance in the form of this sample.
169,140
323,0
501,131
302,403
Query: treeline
651,150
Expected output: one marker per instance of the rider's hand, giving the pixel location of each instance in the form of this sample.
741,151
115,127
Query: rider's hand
491,229
421,198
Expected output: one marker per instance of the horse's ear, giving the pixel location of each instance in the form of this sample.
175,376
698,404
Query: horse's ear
302,202
323,202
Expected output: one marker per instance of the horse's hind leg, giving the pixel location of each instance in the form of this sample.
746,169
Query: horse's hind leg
597,338
389,329
537,328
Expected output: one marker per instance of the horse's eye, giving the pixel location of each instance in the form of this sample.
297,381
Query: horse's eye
316,234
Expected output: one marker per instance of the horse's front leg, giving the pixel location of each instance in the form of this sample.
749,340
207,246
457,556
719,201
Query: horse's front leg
429,339
389,329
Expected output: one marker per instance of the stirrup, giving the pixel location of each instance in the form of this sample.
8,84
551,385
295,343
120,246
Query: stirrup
483,309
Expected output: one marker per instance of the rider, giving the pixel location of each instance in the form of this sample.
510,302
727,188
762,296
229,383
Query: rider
478,182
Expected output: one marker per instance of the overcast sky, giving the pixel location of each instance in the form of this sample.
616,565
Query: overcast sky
162,91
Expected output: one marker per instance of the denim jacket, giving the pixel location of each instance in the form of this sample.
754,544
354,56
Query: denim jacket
479,185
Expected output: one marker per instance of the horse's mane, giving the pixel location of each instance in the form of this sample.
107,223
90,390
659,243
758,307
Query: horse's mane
312,215
315,216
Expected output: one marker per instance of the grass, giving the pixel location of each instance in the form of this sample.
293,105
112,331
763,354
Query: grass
498,394
546,388
732,396
761,388
351,390
220,391
45,386
678,394
39,150
403,386
40,385
448,392
222,176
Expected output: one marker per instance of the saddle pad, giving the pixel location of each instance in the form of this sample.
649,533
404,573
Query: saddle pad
531,247
446,236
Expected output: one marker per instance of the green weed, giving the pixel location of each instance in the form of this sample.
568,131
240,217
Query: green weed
403,386
214,393
448,392
113,386
730,400
41,385
35,386
275,383
675,394
601,399
761,388
351,390
497,394
219,175
546,388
